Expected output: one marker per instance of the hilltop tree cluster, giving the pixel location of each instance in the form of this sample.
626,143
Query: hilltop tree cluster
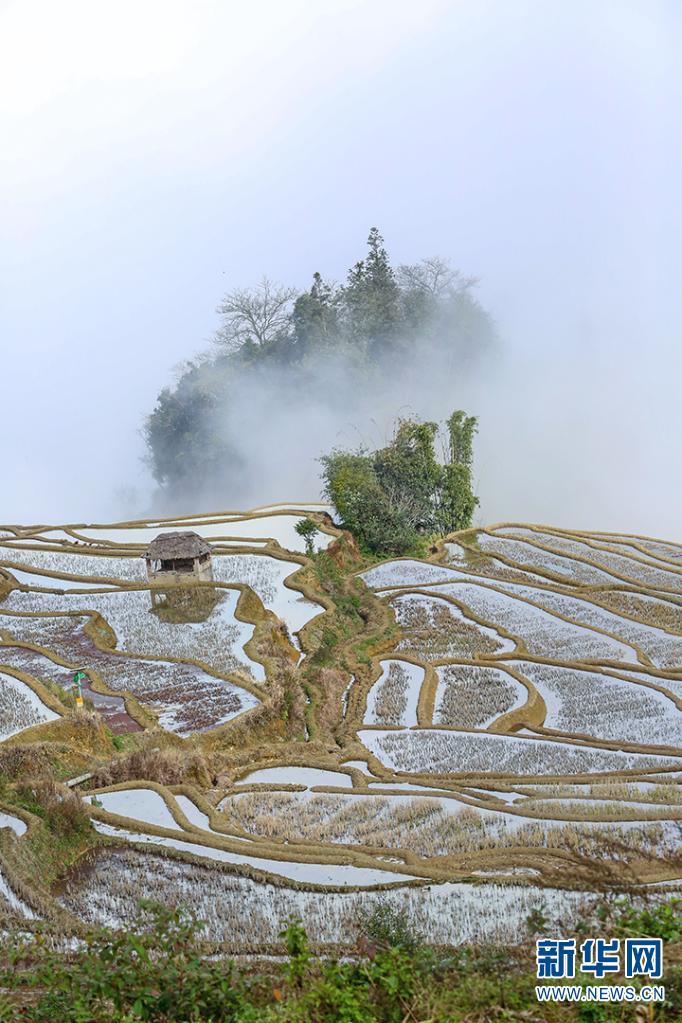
274,340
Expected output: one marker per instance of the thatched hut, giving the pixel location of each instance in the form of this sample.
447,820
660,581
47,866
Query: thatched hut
179,558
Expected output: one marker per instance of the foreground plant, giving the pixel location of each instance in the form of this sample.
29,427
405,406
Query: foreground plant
158,972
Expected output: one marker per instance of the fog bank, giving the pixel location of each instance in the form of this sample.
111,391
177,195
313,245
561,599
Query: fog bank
157,154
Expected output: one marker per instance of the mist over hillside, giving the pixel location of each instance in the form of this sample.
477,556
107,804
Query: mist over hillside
147,173
294,374
565,427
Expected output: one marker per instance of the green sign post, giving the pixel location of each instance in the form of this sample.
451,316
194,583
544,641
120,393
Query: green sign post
78,679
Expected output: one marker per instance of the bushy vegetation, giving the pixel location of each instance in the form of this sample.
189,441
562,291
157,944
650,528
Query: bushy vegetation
157,971
308,530
62,810
392,497
277,350
163,766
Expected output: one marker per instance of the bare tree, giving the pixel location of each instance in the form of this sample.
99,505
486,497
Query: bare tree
255,315
435,276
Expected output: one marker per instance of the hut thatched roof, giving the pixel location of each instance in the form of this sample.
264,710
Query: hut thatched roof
173,546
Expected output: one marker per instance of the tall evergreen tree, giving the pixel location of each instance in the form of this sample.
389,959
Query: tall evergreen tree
316,316
372,295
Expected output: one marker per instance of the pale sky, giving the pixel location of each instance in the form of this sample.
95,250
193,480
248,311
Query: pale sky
155,154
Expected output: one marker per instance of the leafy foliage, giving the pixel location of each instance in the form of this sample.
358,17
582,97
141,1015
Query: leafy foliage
308,530
61,809
157,972
388,927
141,974
661,920
389,498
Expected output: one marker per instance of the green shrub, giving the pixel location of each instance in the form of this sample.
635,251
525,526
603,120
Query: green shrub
658,920
62,810
308,530
145,973
389,927
392,498
157,972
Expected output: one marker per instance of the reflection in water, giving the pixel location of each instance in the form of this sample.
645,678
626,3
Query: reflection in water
181,604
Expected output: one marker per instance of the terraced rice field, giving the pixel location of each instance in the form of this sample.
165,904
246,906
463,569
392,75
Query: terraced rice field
517,722
447,913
